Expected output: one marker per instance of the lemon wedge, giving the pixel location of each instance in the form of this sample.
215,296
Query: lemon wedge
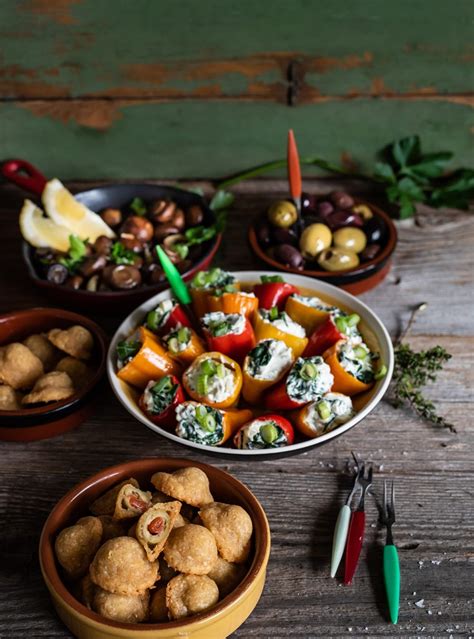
62,207
40,231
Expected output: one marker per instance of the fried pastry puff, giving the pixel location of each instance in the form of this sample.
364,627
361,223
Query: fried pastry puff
131,502
226,575
52,387
9,399
189,594
77,370
19,367
158,609
232,528
85,591
40,346
190,485
122,608
76,546
191,549
121,566
166,572
105,504
154,526
76,341
112,527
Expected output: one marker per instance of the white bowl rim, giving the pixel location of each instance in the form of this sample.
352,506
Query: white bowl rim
370,319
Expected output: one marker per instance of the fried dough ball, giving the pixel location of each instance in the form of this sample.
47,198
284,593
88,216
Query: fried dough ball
121,566
43,349
154,527
158,609
226,575
19,367
76,546
85,591
112,527
9,399
232,528
191,549
131,502
122,608
189,594
77,370
52,387
76,341
105,504
190,485
166,572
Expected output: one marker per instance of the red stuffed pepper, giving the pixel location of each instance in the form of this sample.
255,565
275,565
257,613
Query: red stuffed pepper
268,431
231,334
331,331
308,380
273,291
160,399
167,316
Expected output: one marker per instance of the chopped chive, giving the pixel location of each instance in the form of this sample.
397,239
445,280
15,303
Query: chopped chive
360,352
208,367
324,410
220,370
266,279
201,412
183,335
341,324
209,423
381,372
273,315
308,371
173,345
353,320
203,384
153,320
269,433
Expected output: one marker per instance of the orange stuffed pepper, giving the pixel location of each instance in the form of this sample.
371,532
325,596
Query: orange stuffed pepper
264,366
204,424
352,365
206,283
236,302
310,312
143,359
319,417
184,345
274,324
214,379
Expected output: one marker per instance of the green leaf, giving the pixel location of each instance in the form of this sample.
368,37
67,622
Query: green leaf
221,200
138,206
181,249
384,171
432,165
457,192
121,255
406,151
76,254
127,349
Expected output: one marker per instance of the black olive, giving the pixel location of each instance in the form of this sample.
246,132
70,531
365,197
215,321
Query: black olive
57,274
376,230
288,255
370,251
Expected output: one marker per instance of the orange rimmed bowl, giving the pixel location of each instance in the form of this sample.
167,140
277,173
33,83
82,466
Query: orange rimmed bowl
217,623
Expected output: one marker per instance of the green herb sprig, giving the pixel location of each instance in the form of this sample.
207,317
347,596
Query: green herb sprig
121,255
412,371
76,254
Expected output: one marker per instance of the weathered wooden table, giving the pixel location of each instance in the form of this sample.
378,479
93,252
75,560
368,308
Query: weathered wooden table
432,468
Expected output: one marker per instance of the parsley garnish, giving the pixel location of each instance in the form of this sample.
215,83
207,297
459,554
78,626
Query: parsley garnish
138,206
121,255
76,254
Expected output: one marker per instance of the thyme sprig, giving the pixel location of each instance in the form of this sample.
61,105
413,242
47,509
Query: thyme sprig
412,371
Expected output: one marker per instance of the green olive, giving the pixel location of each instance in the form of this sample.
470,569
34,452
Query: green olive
314,239
283,214
363,210
350,238
337,259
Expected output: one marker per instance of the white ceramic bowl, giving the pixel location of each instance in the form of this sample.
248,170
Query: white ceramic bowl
372,329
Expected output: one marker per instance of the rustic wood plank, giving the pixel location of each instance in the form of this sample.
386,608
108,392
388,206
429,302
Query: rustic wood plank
432,467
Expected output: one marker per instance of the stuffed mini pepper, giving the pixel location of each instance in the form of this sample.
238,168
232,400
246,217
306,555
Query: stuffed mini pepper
335,327
273,291
142,358
214,379
352,365
160,399
308,380
320,417
167,316
203,424
231,334
268,431
233,302
184,345
310,312
273,324
264,366
205,283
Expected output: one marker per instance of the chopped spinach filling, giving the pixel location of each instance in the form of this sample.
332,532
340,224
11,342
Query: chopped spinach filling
162,395
309,379
202,425
127,349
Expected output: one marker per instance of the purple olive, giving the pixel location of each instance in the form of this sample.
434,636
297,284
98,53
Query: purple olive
338,219
263,234
375,230
370,251
308,201
341,200
324,208
288,255
284,236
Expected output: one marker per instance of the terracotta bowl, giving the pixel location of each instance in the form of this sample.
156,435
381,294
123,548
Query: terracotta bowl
217,623
118,196
51,419
356,280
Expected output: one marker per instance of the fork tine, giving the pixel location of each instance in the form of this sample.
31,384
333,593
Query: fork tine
393,500
385,497
369,477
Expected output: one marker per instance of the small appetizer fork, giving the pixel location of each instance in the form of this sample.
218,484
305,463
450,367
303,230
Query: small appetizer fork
342,525
391,564
356,526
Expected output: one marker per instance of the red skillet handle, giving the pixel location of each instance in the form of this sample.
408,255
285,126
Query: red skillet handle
24,175
354,544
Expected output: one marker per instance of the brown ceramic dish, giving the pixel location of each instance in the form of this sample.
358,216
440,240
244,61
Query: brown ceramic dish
357,280
219,622
56,418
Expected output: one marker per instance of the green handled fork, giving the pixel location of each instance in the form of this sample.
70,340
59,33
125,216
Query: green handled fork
391,564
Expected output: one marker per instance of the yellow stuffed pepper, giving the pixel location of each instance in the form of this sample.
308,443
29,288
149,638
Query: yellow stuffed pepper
264,366
184,345
143,359
310,312
237,302
214,379
273,324
206,283
352,365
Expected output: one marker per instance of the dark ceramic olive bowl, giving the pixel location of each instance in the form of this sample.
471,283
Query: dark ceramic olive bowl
118,196
51,419
356,280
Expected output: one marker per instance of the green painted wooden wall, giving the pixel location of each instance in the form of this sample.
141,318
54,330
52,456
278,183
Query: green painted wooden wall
200,88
